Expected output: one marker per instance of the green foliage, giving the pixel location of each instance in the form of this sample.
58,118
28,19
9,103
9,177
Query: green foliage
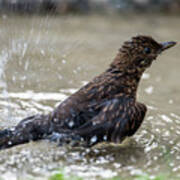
60,176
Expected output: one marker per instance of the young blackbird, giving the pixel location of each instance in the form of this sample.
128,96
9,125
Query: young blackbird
103,110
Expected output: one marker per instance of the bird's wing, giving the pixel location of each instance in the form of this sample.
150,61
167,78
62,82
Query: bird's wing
116,121
84,104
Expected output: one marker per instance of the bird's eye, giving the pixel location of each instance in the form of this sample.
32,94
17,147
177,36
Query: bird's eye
147,50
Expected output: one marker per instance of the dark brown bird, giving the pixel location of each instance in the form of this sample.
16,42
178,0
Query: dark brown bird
103,110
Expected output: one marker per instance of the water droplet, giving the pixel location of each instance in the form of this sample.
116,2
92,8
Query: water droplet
171,164
42,52
150,117
166,118
117,165
74,71
149,90
145,76
170,101
171,142
176,169
59,77
64,61
9,143
26,65
71,124
94,139
55,120
175,116
24,49
155,158
94,123
105,138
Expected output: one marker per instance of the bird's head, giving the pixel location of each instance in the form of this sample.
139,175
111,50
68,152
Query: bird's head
139,53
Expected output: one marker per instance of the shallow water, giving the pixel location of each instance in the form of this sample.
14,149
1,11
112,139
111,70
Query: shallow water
45,59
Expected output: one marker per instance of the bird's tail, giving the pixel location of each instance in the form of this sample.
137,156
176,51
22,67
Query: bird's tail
32,128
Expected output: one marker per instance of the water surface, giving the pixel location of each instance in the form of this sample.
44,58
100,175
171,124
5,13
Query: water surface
45,59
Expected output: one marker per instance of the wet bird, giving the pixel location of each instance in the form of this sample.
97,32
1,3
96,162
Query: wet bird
105,109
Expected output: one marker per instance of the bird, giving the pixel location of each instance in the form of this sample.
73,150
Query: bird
104,110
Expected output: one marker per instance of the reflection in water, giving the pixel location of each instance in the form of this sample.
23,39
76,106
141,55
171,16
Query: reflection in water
45,59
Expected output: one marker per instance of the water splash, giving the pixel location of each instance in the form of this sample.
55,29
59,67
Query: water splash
4,57
17,46
3,60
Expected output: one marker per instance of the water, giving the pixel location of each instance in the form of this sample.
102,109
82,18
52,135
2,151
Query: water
45,59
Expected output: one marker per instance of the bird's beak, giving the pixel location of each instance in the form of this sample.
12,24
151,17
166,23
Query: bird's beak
167,45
